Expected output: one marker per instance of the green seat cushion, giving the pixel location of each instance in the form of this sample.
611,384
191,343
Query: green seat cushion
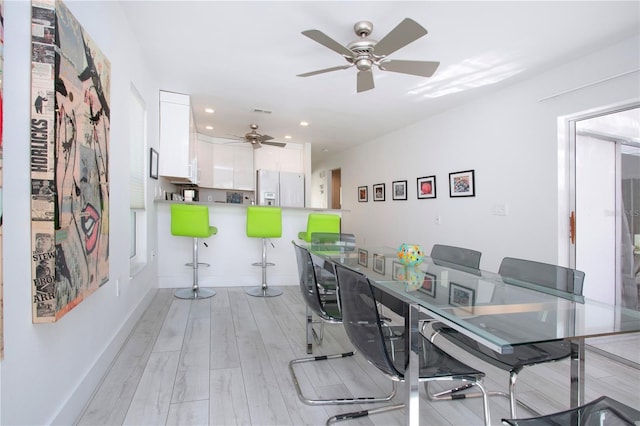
320,222
264,222
191,220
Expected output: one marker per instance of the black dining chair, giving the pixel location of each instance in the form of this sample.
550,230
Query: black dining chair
362,323
603,411
560,281
324,305
456,257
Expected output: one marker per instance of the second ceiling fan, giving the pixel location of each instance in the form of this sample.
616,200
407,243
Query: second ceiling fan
364,52
257,140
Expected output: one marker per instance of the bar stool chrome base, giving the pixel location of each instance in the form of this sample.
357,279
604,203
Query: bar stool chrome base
194,294
264,292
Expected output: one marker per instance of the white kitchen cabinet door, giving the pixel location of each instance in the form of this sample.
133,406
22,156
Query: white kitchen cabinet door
205,164
223,166
177,138
243,174
290,159
287,159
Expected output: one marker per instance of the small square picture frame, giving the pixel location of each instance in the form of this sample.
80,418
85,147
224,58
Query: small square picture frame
397,270
399,190
462,184
363,194
426,187
153,163
378,263
429,284
363,257
461,296
378,192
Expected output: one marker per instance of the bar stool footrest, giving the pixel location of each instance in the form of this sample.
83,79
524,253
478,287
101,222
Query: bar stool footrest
190,264
260,264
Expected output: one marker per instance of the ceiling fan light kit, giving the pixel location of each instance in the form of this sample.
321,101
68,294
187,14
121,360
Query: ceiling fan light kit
364,53
257,140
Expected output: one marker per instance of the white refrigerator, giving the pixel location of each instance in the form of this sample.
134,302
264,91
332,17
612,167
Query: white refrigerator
282,189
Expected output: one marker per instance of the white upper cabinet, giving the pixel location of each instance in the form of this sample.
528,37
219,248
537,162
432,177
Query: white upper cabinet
205,163
287,159
177,138
226,164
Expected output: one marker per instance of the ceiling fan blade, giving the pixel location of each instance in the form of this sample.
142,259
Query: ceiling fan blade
280,144
419,68
264,138
326,41
365,81
309,74
406,32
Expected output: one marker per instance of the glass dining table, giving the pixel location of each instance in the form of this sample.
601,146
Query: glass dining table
497,313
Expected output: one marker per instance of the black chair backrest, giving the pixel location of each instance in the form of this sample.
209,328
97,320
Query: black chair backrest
333,241
554,277
361,320
455,256
309,283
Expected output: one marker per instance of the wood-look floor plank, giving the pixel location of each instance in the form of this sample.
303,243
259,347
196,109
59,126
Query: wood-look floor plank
231,367
228,402
172,332
150,404
194,413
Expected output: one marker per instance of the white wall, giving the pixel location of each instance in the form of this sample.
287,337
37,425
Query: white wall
510,138
50,370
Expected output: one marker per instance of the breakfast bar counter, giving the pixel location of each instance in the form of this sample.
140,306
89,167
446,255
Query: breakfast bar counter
230,252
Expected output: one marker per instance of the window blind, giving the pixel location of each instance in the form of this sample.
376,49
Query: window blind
137,143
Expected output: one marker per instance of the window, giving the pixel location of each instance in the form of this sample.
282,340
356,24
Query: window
137,147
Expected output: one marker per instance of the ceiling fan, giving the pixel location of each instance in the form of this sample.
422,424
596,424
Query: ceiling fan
365,52
257,140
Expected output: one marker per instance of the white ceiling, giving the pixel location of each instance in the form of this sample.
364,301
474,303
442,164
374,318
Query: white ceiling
235,56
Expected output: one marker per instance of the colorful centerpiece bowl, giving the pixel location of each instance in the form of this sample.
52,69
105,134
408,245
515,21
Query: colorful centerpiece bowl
410,254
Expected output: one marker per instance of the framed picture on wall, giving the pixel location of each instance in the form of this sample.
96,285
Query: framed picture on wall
363,257
462,184
462,296
399,190
153,163
426,187
378,263
378,192
363,194
429,285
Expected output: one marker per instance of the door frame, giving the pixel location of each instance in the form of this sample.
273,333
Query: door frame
567,181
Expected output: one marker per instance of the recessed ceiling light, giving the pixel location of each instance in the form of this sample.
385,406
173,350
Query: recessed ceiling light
209,127
209,110
325,150
287,137
304,123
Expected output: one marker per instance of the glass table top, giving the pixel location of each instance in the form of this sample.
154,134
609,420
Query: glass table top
498,313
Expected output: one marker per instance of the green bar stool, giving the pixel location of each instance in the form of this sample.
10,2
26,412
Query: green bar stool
191,220
265,223
320,222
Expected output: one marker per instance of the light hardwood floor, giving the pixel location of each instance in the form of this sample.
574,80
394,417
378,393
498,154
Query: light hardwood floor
224,361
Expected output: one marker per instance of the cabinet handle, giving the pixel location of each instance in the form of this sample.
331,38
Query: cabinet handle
572,227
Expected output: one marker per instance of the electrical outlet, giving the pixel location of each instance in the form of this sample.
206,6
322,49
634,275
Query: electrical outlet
439,220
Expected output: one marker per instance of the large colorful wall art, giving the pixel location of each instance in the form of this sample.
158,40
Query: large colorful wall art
1,122
70,119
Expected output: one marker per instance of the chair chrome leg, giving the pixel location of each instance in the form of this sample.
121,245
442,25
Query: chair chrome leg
363,413
336,401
